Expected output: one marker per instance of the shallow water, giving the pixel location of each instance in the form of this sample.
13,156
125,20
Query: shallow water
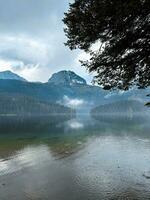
78,159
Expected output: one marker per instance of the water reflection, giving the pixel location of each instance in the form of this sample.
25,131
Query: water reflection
75,159
75,124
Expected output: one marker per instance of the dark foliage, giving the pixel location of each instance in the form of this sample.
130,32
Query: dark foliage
148,104
123,30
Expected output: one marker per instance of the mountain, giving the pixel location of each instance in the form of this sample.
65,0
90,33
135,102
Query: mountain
63,87
69,89
66,78
10,75
80,97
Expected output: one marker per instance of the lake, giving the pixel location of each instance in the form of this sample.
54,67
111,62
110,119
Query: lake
77,159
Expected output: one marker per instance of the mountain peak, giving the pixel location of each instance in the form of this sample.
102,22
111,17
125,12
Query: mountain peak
67,78
10,75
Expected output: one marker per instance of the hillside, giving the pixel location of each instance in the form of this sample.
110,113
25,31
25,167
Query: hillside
14,104
10,75
126,111
120,107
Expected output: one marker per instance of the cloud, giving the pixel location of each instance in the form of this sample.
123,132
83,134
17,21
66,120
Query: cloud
28,156
73,103
74,124
23,48
32,39
30,16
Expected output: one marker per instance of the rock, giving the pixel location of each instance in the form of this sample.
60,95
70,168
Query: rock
67,78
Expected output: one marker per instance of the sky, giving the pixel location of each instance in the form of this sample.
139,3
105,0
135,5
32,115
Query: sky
32,40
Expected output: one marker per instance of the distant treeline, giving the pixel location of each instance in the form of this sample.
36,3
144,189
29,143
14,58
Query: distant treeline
14,104
125,106
129,111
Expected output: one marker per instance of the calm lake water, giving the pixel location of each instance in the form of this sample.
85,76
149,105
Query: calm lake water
78,159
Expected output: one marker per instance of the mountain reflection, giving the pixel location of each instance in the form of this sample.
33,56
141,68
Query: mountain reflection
65,136
80,157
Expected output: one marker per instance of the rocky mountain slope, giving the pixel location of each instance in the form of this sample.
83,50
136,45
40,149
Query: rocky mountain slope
67,78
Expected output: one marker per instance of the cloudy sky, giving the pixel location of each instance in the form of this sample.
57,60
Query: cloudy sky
32,39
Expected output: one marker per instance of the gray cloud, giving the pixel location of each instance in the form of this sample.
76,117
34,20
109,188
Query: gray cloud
31,16
32,34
